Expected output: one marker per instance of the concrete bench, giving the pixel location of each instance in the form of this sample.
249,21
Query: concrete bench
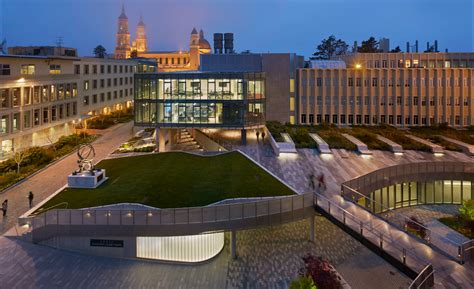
396,148
361,147
466,148
436,149
323,147
288,146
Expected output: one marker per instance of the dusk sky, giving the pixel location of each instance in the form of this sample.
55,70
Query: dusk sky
258,25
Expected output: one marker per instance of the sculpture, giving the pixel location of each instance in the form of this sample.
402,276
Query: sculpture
86,154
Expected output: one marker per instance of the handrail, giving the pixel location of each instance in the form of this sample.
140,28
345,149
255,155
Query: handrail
398,214
404,251
41,211
413,284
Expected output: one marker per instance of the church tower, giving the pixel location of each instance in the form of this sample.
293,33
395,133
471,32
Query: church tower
194,59
140,44
122,48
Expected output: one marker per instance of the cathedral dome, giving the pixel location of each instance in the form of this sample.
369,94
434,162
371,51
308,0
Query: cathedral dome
204,44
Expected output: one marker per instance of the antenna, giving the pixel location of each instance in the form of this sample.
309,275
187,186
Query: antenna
59,41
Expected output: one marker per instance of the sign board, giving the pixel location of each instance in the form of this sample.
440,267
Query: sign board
106,243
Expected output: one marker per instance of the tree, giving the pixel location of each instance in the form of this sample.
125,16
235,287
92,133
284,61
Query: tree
369,46
18,157
303,282
329,48
467,210
100,51
396,50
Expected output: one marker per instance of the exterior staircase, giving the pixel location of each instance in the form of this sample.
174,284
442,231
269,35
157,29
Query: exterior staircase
186,142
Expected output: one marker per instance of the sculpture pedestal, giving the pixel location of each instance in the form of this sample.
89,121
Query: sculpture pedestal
86,180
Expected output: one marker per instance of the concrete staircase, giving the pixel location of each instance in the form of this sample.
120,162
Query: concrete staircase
186,142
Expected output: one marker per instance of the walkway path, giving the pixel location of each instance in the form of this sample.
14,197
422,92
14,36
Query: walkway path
295,169
53,177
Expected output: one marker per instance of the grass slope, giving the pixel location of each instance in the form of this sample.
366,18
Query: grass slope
171,180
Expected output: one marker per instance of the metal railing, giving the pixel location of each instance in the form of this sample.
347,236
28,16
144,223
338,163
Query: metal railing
407,256
175,216
452,248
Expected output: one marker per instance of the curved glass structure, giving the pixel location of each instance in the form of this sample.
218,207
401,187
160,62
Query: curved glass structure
412,184
188,249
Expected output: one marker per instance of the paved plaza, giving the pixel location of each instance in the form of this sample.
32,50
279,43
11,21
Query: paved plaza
267,258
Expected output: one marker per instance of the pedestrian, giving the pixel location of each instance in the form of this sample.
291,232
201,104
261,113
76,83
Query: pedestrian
263,136
257,134
30,198
311,181
5,207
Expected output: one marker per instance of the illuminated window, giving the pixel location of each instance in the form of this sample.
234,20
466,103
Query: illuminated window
55,69
292,104
27,69
292,119
292,85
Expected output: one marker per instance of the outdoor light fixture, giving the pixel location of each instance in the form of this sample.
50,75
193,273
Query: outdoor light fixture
358,66
150,214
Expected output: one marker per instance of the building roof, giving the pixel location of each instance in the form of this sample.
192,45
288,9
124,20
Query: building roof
328,64
122,15
203,43
141,23
194,31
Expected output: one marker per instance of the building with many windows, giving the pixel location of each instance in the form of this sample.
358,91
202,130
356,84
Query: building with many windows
399,89
43,97
170,101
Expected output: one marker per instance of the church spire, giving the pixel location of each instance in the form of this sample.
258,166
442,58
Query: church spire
123,16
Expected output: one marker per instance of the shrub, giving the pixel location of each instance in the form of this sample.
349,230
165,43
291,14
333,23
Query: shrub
303,282
416,227
466,211
321,272
276,129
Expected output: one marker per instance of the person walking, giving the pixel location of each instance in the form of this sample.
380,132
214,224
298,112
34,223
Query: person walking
257,134
263,136
5,207
30,198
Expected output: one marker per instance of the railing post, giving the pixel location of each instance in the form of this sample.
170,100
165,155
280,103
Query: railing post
329,207
344,217
381,241
361,228
460,255
404,256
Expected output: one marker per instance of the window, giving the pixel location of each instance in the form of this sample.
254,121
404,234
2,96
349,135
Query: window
311,118
94,69
86,84
54,69
351,81
15,96
4,69
4,121
86,69
102,83
109,69
303,118
102,69
45,115
115,68
94,84
374,81
53,113
86,100
4,98
27,95
36,117
27,119
27,69
102,97
94,98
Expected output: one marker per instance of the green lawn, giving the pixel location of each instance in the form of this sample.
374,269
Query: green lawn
175,179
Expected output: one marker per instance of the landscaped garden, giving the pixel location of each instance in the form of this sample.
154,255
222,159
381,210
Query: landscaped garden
175,179
106,121
464,221
142,142
317,273
27,162
432,133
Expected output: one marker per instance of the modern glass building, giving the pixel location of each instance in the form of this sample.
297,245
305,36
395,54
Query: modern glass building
233,100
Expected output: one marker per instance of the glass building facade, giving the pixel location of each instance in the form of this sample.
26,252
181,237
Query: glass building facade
200,99
418,193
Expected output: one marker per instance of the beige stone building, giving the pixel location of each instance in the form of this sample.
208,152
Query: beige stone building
400,89
167,61
43,97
